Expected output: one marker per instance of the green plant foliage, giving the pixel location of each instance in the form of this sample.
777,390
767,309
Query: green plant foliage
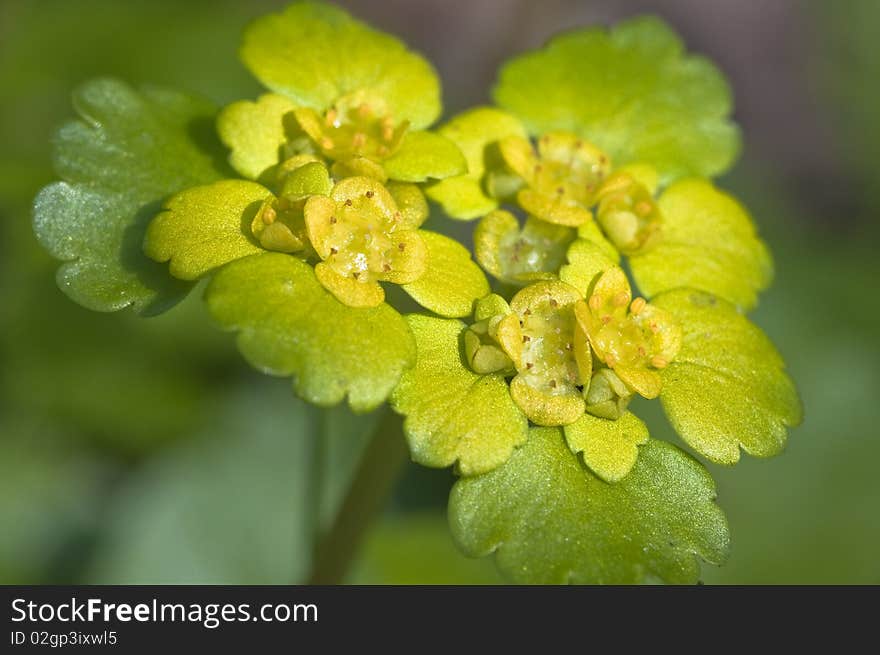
632,91
316,54
452,281
609,447
549,520
454,416
423,156
726,389
707,241
128,151
255,133
205,227
337,351
475,132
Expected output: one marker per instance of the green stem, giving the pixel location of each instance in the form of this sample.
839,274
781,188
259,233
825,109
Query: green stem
382,460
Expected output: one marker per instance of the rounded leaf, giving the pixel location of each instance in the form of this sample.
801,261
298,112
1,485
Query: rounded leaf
726,388
205,227
549,520
130,150
451,282
632,92
707,241
288,324
316,54
453,415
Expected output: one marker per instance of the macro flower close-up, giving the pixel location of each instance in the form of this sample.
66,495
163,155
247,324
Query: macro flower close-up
543,306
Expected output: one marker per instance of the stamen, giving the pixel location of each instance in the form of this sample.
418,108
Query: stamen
331,117
637,306
348,202
659,362
369,194
595,302
326,143
621,299
269,216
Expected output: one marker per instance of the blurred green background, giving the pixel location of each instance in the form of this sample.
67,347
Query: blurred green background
145,451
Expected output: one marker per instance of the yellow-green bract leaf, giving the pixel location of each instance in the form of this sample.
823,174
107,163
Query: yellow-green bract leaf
288,324
315,54
452,414
452,281
631,91
610,448
707,241
474,132
586,262
127,153
424,155
726,388
205,227
549,520
255,133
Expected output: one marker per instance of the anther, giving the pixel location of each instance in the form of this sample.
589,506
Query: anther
326,143
331,117
528,312
269,216
401,247
553,302
359,139
355,275
526,338
643,208
659,362
529,365
560,190
386,267
387,132
552,384
637,306
606,319
348,202
595,302
332,220
569,346
369,194
333,251
621,299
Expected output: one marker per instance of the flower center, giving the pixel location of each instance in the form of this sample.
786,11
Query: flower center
627,212
357,232
342,134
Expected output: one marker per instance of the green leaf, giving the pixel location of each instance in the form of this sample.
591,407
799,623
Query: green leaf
316,54
205,227
586,262
255,133
289,325
609,448
707,241
452,281
726,388
474,132
128,152
631,91
453,415
425,155
550,521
